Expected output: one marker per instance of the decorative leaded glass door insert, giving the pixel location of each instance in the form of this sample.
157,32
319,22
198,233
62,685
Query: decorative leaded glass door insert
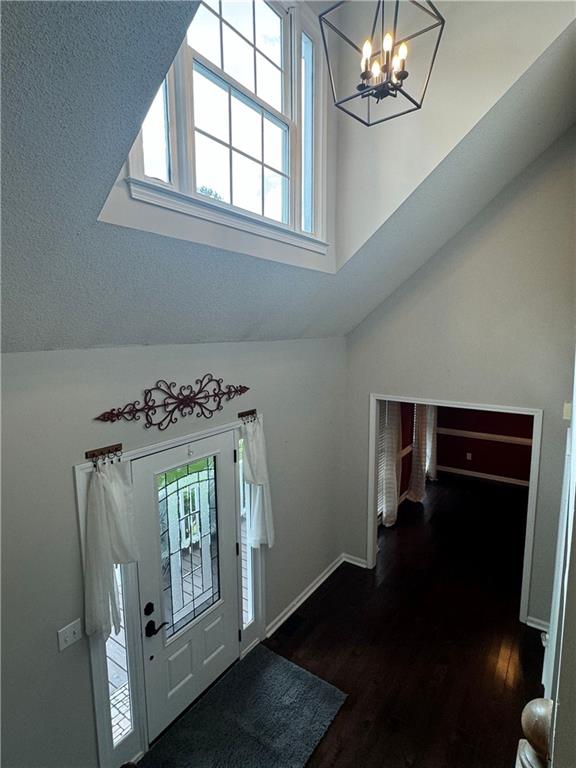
188,541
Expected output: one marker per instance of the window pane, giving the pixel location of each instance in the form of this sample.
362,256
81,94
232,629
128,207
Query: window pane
246,128
118,673
247,183
275,140
268,31
269,79
275,196
238,58
204,35
212,168
307,134
155,144
210,105
239,15
247,551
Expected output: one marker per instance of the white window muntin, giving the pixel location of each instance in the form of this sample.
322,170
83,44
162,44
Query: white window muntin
283,66
238,91
181,122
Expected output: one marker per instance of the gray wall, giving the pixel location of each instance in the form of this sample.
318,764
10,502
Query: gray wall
489,319
49,400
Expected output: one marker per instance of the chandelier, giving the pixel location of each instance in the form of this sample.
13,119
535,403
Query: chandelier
380,55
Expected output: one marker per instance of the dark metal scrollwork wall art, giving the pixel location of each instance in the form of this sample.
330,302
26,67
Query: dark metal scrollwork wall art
164,403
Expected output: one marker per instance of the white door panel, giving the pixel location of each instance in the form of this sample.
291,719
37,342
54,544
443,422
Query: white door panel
187,571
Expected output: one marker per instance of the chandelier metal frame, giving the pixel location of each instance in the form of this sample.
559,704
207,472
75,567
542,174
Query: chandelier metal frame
390,85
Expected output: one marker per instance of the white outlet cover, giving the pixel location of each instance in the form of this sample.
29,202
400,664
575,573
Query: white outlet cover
468,457
69,634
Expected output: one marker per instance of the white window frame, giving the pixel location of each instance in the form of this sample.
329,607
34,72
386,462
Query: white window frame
179,194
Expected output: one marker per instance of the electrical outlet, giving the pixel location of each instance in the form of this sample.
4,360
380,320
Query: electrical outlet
468,457
567,412
69,634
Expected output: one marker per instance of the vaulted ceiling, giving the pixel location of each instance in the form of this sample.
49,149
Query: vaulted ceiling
77,80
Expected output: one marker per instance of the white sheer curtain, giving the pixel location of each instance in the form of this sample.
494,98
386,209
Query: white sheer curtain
417,486
431,421
389,461
255,468
109,540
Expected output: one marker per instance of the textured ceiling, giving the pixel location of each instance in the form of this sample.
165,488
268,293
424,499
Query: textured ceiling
77,80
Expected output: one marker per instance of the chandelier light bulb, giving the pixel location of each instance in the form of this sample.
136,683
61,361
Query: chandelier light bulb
396,63
366,53
376,69
403,52
387,45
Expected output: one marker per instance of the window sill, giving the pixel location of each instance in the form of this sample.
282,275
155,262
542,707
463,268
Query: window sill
165,197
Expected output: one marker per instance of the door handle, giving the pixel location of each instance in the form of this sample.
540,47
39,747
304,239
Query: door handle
151,629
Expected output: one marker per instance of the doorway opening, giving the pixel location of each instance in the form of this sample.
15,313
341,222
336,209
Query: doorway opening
453,492
458,444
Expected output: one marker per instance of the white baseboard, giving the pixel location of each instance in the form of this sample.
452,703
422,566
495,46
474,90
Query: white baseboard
249,648
543,626
302,597
353,560
310,589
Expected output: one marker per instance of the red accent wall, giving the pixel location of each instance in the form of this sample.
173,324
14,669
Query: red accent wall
514,424
407,435
488,456
407,416
406,470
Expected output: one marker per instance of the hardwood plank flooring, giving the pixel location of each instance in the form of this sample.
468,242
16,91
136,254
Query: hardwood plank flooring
427,645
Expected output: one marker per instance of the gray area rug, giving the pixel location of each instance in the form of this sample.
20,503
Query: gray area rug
265,712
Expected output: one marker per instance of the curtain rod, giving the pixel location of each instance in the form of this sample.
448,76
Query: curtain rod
107,452
247,415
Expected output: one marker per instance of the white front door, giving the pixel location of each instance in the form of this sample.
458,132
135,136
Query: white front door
186,512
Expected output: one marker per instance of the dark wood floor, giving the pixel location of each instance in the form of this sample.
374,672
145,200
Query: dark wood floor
428,645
